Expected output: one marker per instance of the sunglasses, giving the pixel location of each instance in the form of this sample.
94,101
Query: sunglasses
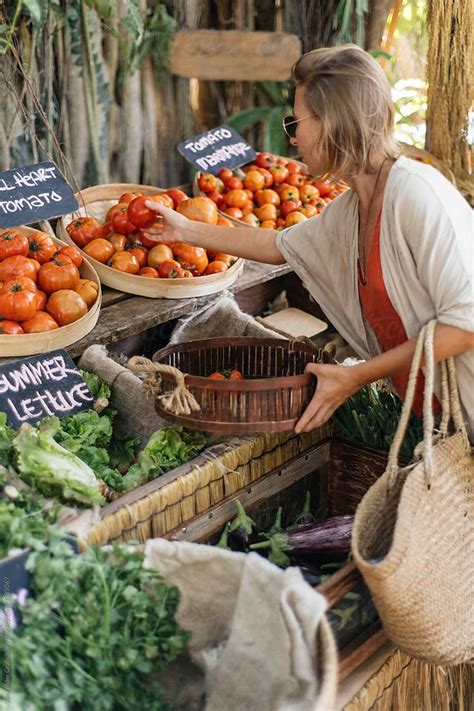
290,124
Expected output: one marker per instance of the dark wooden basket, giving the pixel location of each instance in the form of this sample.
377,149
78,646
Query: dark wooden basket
271,398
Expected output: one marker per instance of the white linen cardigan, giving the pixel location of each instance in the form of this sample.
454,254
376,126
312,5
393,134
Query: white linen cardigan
427,255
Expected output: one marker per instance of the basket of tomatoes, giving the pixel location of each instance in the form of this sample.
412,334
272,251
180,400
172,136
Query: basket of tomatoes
240,385
111,230
272,192
49,294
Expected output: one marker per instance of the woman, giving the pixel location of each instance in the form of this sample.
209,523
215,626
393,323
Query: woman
382,259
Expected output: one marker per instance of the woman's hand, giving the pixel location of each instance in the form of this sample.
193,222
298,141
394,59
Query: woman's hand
170,225
336,383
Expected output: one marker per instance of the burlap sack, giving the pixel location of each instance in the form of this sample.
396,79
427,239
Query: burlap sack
413,534
258,634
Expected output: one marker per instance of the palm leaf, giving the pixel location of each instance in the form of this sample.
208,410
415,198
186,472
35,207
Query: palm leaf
274,137
243,120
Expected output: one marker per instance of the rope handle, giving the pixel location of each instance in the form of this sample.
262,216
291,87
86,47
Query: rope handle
180,400
451,406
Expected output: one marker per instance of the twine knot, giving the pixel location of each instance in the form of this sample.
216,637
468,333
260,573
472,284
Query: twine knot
179,401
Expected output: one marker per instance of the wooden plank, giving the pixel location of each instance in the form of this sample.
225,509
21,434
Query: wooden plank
231,55
352,684
206,525
359,651
340,583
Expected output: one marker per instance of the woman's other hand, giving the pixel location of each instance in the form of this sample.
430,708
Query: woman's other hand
336,383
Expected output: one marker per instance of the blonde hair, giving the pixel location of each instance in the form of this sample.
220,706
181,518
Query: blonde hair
349,92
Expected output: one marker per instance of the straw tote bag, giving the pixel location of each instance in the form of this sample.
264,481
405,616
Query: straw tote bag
413,533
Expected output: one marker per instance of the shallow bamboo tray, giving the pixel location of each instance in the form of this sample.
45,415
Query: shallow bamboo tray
94,202
425,157
33,343
234,220
271,398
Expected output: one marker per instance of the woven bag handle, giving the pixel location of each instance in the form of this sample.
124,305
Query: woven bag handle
179,401
451,406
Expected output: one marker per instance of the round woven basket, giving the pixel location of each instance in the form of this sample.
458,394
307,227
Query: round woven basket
33,343
272,397
425,157
94,202
234,220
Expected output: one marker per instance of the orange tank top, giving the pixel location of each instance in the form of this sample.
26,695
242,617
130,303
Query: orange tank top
383,319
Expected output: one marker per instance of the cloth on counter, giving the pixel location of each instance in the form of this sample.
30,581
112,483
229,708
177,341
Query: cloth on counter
259,633
220,319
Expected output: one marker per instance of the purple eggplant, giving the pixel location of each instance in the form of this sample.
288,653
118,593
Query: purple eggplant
330,539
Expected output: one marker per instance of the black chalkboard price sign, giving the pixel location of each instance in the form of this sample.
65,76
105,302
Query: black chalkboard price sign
47,384
221,147
33,193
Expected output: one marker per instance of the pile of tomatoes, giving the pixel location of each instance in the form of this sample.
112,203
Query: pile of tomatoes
121,242
272,192
40,285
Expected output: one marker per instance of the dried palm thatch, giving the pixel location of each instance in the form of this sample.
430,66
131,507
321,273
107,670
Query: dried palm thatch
450,88
404,683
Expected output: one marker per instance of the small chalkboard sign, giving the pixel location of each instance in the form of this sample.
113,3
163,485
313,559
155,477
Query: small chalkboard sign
221,147
47,384
33,193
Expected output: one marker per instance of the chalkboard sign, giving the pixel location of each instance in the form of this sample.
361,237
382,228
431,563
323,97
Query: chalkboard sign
215,149
47,384
33,193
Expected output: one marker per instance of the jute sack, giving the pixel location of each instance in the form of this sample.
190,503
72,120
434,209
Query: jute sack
413,534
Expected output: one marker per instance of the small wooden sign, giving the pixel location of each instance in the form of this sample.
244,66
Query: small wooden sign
220,147
34,193
47,384
234,55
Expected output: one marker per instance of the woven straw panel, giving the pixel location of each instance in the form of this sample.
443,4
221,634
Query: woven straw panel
162,505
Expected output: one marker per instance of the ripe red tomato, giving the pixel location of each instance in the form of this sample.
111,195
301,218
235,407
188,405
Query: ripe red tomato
107,229
309,210
296,179
267,212
128,197
42,247
18,266
293,218
100,249
177,196
59,273
40,322
146,241
280,173
236,375
13,244
163,199
66,306
41,299
141,254
73,254
267,175
121,223
10,327
84,230
324,187
207,182
264,197
234,212
216,267
236,198
139,214
189,257
199,208
223,221
18,299
217,376
124,262
228,259
224,174
308,192
234,183
149,272
89,291
289,206
254,180
265,160
119,242
293,167
216,197
251,219
289,193
170,270
114,209
158,254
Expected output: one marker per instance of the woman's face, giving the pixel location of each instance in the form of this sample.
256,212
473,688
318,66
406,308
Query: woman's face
308,132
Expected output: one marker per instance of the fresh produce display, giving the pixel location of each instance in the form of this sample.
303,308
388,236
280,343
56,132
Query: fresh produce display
121,242
227,375
93,633
371,416
272,192
79,459
40,284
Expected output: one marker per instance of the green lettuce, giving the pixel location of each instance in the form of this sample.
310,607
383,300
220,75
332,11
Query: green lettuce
52,469
7,435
